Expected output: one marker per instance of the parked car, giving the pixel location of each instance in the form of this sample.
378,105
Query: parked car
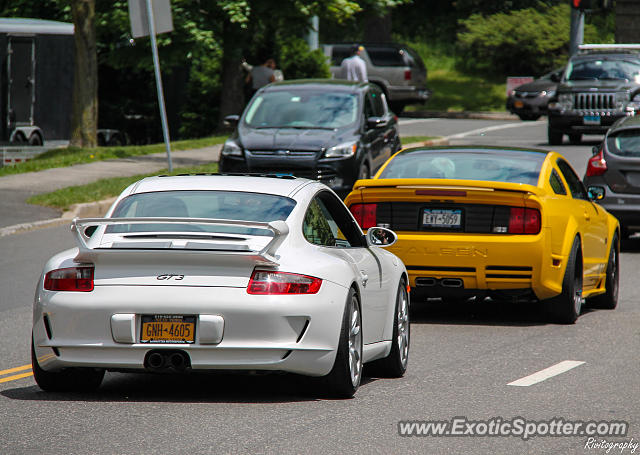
210,272
396,68
332,131
600,85
501,222
529,101
614,172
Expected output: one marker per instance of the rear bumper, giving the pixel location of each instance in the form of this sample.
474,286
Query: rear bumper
482,262
297,334
408,93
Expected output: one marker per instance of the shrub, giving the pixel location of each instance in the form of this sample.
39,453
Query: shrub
528,41
297,61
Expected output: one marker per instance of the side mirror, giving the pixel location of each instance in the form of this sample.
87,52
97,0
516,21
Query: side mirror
376,122
596,193
555,77
231,120
379,236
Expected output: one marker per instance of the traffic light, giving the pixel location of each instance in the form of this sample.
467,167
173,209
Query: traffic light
582,4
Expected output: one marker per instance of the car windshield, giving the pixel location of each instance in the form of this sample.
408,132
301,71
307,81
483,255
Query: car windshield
511,166
604,69
302,109
625,143
227,205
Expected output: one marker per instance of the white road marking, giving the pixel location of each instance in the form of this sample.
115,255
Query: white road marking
547,373
492,128
409,121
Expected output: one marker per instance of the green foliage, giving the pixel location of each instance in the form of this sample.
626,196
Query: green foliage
298,62
528,41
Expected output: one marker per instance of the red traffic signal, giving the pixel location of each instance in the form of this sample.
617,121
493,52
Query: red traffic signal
581,4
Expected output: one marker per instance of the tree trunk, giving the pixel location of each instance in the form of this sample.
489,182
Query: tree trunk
84,119
232,97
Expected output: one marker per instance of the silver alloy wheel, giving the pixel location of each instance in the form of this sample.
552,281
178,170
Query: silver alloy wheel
403,327
577,294
355,342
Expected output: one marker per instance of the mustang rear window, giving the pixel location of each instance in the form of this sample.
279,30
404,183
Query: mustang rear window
227,205
512,166
625,143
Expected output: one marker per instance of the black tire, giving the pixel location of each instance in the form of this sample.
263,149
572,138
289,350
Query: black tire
67,380
529,117
397,107
566,307
344,378
19,138
609,300
35,139
575,138
554,137
395,364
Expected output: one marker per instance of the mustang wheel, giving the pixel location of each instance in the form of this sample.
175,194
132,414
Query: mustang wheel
609,300
567,306
67,380
395,364
344,378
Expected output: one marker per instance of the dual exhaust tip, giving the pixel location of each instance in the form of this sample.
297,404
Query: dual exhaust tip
444,282
159,360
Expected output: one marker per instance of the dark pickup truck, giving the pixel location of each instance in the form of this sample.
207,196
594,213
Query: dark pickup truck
600,85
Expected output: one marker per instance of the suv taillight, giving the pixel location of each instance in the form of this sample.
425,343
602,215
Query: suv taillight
365,214
266,282
69,279
596,165
407,75
524,220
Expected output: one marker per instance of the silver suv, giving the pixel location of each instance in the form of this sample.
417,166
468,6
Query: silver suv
396,68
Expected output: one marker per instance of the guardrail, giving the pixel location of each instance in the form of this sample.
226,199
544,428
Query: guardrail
11,155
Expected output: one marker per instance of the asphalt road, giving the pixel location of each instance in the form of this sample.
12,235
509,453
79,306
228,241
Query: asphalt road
462,359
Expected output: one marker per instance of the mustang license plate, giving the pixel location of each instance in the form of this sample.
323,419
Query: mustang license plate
591,120
442,218
168,328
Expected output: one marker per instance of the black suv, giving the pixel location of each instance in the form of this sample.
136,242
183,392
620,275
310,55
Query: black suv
333,131
601,84
613,173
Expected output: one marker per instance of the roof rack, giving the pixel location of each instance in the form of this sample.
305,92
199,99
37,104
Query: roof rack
609,47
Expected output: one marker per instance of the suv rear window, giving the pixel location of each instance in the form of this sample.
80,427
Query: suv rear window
387,56
625,143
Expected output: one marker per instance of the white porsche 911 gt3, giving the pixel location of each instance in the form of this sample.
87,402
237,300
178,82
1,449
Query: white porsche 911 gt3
215,272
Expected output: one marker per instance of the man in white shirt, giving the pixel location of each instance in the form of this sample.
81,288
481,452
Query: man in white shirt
354,68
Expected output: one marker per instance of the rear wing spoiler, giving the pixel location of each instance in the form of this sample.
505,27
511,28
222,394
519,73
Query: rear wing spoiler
439,185
89,248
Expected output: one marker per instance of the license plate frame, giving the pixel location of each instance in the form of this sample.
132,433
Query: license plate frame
591,120
168,329
441,218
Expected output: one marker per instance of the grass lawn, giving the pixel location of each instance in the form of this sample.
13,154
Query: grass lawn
453,90
69,156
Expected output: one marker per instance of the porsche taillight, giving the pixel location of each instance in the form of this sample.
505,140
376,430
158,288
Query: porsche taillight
365,214
79,279
596,165
524,220
267,282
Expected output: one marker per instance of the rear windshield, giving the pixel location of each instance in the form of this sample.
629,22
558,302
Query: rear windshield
388,56
489,165
625,143
227,205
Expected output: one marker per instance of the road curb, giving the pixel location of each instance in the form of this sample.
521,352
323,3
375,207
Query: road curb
461,115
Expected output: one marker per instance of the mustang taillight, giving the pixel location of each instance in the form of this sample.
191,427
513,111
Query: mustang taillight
596,165
70,279
524,220
365,214
271,282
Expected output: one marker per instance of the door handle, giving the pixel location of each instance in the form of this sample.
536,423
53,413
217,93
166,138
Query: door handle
586,216
364,277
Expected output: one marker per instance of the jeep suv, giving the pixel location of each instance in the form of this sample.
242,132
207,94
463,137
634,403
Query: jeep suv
395,68
600,85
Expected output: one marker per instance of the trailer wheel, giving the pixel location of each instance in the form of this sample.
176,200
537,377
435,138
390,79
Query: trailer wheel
35,139
19,138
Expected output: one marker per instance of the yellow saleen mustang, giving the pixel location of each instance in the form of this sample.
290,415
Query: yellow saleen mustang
507,223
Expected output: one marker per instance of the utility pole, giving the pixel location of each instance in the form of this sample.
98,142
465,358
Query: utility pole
577,30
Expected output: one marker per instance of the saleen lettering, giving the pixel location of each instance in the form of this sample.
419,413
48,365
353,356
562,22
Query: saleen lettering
464,251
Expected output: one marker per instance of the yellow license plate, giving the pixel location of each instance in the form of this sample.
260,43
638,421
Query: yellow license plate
168,328
518,104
